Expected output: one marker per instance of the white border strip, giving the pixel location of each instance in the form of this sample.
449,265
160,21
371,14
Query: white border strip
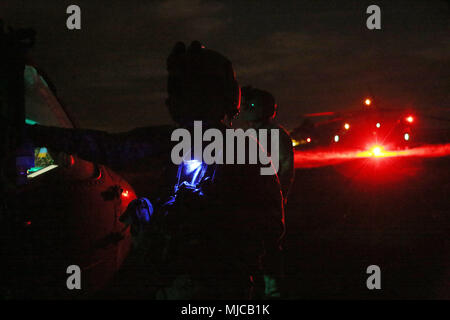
46,169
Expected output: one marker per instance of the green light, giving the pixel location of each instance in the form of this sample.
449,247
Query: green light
29,121
34,169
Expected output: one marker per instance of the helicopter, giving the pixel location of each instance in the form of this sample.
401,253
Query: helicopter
57,210
372,128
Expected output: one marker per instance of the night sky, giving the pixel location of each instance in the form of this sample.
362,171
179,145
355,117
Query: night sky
312,55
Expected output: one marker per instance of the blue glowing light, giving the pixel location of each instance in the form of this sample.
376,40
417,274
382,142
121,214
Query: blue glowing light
192,165
190,174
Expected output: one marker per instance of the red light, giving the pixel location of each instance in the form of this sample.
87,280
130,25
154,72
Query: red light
308,139
99,175
28,223
410,119
125,193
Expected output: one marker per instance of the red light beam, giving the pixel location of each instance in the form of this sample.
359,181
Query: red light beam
320,158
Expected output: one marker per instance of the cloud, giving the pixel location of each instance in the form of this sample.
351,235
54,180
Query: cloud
196,18
187,9
314,56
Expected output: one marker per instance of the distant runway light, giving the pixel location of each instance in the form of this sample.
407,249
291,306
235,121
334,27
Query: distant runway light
316,158
346,126
406,136
336,138
378,125
368,102
376,151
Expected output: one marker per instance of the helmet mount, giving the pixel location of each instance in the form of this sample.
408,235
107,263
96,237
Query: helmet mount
257,105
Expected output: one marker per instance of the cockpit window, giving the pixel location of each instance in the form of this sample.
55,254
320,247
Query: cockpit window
42,107
43,162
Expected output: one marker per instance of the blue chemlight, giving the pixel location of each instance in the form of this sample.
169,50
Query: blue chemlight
190,174
192,165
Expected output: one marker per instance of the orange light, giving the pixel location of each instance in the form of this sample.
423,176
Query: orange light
376,151
308,139
379,152
410,119
125,193
368,102
346,126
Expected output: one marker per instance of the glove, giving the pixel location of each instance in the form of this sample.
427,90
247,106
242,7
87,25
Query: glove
137,215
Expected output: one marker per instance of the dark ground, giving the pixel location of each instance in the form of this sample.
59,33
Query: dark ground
389,212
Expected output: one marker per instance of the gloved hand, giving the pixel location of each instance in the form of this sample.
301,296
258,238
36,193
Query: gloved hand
137,215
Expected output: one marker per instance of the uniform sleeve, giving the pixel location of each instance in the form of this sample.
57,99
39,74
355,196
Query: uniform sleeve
286,172
111,149
258,200
274,230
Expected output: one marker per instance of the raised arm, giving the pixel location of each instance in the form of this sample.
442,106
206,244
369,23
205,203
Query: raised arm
112,149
